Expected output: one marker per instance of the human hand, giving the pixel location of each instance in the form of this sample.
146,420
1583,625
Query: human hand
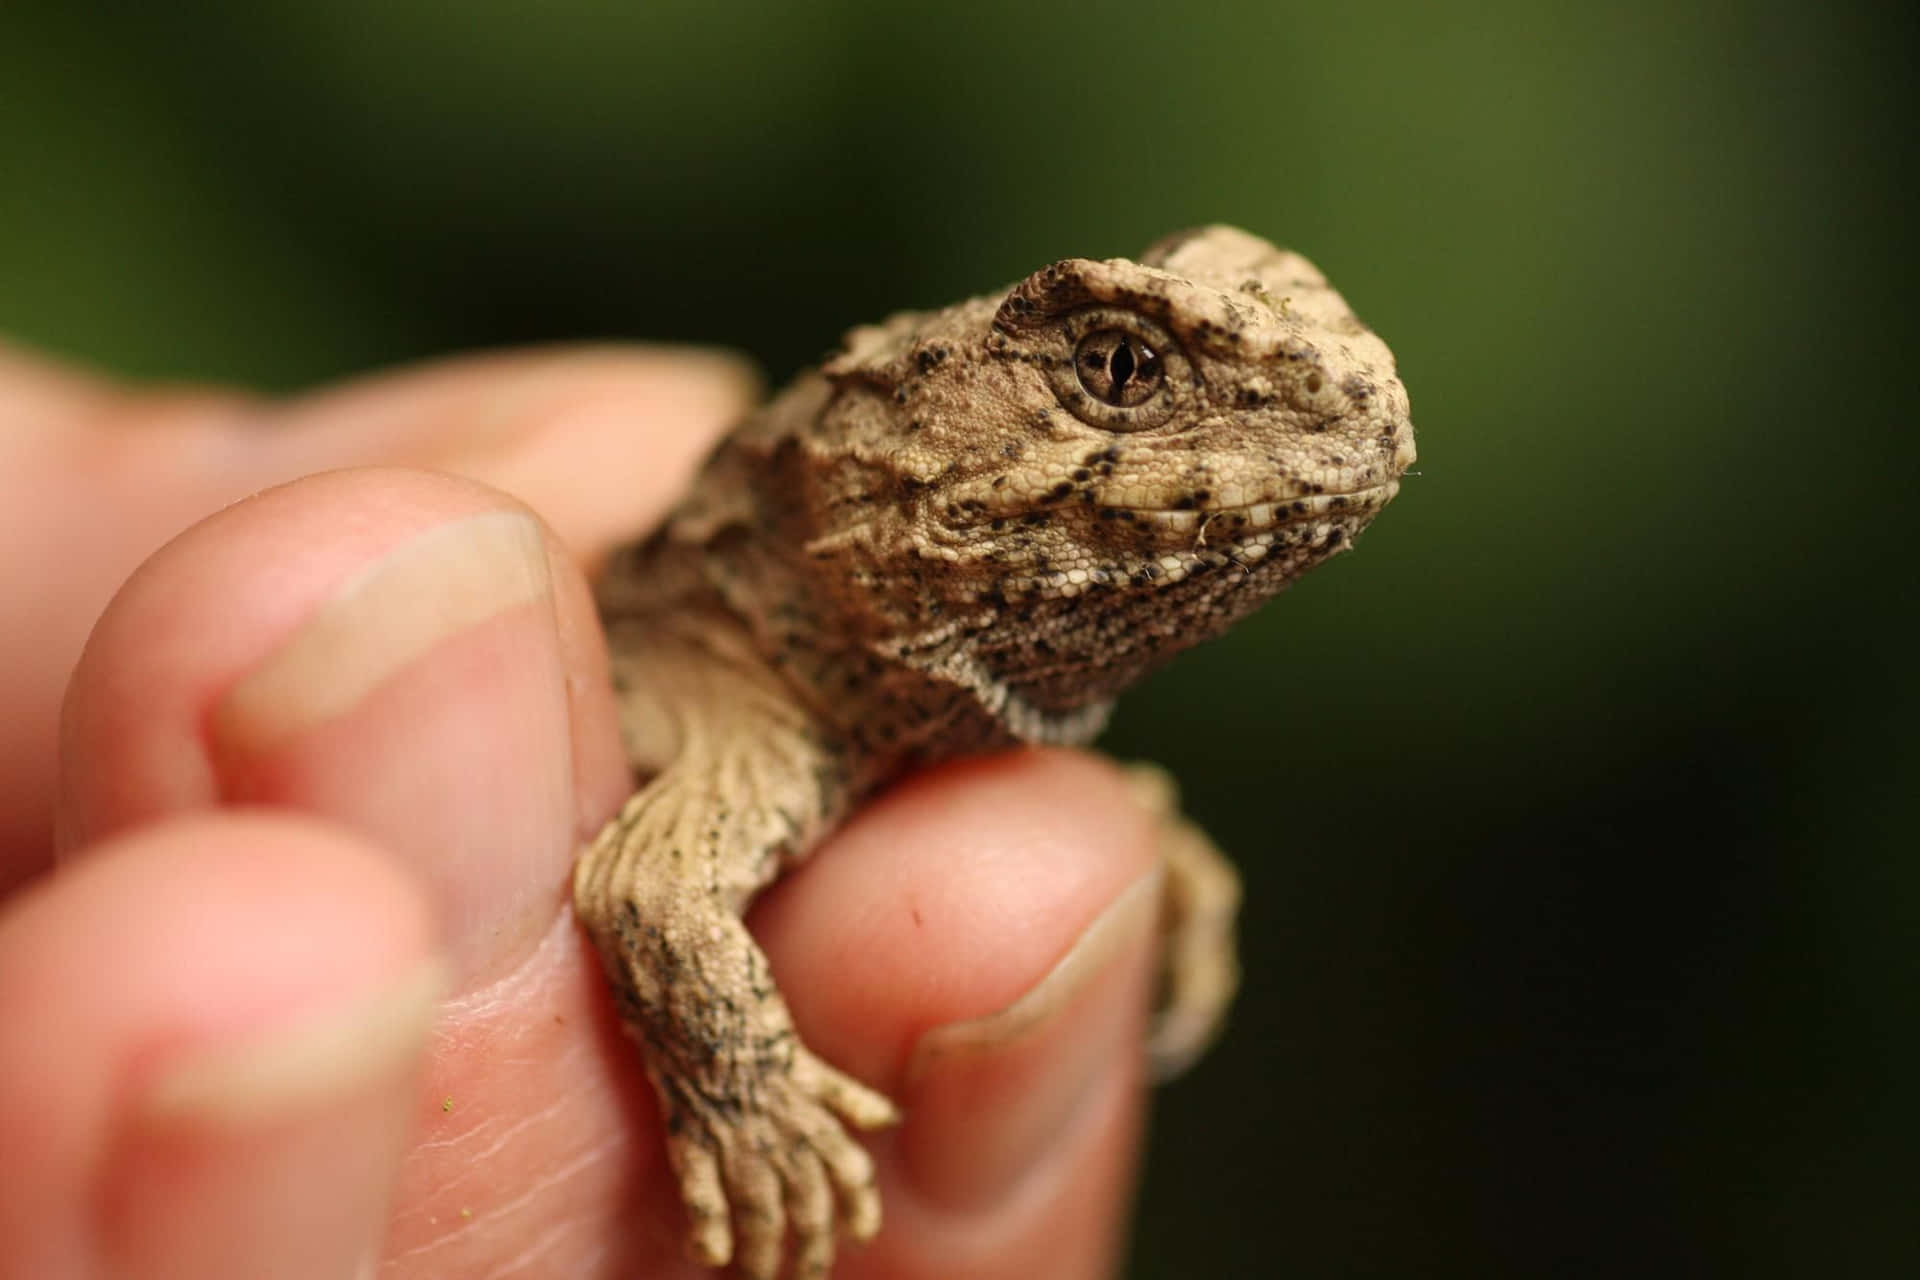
306,992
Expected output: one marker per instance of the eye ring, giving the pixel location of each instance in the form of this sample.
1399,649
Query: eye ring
1120,371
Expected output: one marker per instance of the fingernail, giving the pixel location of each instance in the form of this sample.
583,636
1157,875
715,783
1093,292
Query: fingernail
308,1061
436,585
425,704
989,1096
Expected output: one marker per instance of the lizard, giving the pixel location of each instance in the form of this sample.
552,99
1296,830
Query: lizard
967,529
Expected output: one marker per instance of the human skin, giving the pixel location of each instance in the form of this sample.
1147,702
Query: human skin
302,994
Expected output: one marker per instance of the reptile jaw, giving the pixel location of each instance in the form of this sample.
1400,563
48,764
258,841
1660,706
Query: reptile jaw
1269,514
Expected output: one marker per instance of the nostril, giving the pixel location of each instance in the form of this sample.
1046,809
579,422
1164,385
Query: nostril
1315,382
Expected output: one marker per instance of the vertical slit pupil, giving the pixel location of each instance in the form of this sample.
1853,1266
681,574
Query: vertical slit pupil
1121,366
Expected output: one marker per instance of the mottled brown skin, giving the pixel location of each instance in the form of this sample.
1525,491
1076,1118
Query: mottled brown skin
970,528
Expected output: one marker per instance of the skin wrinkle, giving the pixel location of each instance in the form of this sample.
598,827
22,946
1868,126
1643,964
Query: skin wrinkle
507,1210
536,983
548,1241
969,529
501,1137
534,1189
544,960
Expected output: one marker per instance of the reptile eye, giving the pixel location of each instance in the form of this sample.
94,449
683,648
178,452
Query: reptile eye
1118,368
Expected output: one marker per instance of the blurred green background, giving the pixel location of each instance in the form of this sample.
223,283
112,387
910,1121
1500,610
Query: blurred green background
1574,809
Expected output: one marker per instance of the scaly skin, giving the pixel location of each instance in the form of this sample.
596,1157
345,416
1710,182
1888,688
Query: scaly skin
970,528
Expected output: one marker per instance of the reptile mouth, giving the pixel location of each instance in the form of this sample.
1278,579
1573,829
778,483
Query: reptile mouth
1254,516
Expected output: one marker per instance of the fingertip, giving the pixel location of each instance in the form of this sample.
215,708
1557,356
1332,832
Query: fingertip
611,436
404,652
601,438
598,437
981,943
212,1028
949,897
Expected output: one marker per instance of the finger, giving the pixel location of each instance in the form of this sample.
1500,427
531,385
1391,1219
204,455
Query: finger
979,943
93,477
400,651
404,653
603,435
599,439
86,490
209,1043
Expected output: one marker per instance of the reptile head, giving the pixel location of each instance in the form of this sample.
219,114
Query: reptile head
1115,459
1213,395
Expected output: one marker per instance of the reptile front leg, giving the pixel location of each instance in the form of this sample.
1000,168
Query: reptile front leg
754,1121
